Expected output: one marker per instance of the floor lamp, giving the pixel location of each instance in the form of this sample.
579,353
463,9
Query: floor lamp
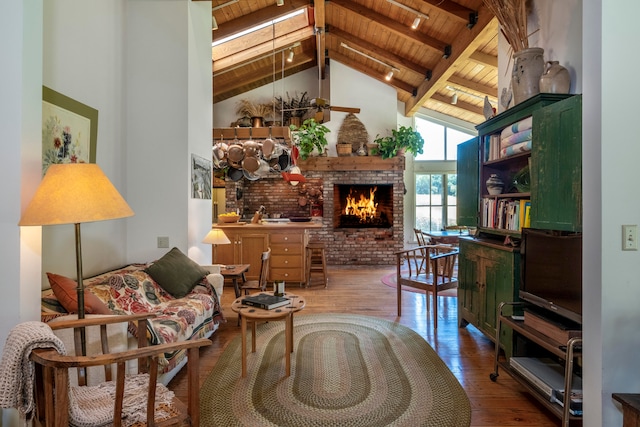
72,194
216,237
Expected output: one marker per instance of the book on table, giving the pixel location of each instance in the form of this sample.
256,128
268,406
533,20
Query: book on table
265,301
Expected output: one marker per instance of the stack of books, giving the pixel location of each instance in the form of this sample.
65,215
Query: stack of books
265,301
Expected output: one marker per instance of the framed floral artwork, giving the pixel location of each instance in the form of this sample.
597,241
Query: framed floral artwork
69,130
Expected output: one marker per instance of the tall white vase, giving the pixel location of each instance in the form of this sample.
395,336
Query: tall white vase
528,66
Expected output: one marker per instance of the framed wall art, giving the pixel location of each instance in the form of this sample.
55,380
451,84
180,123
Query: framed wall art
69,130
201,177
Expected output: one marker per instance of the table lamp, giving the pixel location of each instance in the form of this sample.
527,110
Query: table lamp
216,237
74,193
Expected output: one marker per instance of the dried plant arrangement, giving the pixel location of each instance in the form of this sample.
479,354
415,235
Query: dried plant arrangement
293,106
512,16
248,108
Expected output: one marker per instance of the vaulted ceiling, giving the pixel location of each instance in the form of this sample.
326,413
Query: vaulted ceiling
453,50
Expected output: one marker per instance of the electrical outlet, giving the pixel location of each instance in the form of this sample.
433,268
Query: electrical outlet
163,242
629,237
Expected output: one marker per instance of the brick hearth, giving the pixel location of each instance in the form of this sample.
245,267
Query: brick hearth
345,246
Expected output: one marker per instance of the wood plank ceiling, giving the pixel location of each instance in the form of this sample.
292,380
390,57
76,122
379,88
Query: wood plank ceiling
454,50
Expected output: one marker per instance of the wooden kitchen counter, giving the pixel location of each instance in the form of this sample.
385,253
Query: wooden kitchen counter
269,225
286,239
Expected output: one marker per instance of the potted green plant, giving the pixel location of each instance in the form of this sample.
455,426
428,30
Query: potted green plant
404,138
310,135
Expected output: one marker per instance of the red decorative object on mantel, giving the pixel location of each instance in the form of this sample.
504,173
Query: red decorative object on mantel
295,177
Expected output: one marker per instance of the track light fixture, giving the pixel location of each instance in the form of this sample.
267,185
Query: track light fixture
290,55
388,76
280,2
419,17
456,90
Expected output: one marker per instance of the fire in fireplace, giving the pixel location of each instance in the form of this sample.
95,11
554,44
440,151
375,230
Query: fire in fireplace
363,205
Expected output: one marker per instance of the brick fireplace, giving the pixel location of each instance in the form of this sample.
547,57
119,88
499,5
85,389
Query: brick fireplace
345,245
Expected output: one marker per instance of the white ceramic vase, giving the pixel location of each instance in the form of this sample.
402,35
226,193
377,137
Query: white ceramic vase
528,66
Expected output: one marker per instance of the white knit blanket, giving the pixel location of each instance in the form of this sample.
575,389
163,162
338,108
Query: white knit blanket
89,406
17,371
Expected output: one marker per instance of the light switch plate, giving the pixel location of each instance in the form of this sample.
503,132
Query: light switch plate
630,237
163,242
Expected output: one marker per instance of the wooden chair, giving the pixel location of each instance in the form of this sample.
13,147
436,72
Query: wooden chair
52,389
441,259
420,257
261,283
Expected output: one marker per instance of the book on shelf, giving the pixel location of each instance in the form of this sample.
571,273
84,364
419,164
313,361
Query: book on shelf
265,301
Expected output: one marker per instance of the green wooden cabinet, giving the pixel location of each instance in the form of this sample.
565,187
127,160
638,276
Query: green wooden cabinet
556,166
488,274
489,271
468,161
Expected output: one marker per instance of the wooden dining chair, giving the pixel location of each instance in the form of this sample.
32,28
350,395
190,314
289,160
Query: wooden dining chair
137,400
420,256
261,283
442,276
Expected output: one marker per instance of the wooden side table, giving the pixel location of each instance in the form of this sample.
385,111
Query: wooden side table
254,315
235,272
630,408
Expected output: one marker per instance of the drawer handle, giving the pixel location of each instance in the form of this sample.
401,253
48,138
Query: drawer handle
286,238
286,262
286,274
286,249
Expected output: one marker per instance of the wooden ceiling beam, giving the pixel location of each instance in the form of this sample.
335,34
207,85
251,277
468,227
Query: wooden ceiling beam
222,91
484,59
490,91
377,52
453,9
263,49
464,45
258,17
392,25
397,83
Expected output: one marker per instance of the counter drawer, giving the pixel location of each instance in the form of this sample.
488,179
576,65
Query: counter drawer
285,261
286,238
286,249
287,274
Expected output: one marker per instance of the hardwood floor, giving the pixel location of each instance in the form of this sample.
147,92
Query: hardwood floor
467,352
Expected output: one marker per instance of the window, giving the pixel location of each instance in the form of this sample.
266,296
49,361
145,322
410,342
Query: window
435,174
440,141
435,201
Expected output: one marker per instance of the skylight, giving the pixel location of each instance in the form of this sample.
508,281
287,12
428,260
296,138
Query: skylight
258,27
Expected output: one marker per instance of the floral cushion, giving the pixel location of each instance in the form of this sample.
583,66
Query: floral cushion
130,290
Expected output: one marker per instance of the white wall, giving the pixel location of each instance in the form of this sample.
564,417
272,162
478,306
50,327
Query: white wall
610,169
168,105
200,123
20,119
346,87
85,62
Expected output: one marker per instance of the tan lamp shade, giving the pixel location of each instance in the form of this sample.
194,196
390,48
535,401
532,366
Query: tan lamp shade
74,193
216,237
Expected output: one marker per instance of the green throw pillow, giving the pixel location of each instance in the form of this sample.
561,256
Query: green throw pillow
176,273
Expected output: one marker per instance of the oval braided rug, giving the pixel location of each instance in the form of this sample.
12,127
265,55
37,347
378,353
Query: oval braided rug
346,370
